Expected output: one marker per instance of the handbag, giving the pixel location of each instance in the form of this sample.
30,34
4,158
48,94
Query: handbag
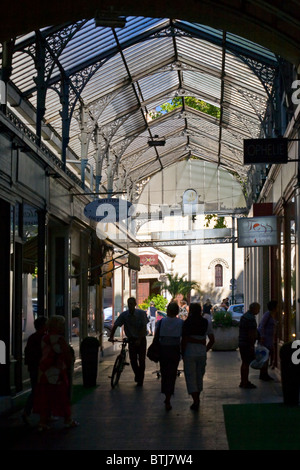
261,356
153,352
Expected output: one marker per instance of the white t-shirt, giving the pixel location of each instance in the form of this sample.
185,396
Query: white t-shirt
170,330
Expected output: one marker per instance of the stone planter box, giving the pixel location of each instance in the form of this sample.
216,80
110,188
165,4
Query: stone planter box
226,338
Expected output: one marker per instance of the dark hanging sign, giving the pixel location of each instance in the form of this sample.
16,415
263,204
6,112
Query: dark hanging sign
265,151
134,262
108,210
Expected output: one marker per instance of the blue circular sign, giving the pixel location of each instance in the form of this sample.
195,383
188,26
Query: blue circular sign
108,210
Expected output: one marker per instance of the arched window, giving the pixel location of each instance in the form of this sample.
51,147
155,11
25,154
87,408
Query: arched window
218,275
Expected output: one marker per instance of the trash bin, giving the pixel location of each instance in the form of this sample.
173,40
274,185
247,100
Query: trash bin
89,349
290,375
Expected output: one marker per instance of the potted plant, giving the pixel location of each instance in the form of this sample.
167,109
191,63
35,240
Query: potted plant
226,331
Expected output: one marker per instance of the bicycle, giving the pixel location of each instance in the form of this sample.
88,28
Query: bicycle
120,363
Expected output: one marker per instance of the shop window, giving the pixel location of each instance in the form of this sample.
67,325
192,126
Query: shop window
29,232
288,272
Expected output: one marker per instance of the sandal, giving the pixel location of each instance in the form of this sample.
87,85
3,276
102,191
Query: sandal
71,424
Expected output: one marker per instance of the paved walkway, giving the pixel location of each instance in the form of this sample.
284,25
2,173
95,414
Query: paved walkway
134,419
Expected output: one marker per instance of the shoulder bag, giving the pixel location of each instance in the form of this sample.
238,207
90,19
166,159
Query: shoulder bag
153,352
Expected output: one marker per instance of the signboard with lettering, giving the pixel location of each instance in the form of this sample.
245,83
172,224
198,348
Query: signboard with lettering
257,231
108,210
265,151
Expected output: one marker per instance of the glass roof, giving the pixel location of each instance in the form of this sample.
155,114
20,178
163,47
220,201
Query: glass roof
117,80
217,190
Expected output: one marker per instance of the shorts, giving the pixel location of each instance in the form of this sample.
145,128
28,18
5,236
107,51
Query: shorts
247,353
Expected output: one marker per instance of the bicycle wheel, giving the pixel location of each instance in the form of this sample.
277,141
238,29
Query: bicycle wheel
117,370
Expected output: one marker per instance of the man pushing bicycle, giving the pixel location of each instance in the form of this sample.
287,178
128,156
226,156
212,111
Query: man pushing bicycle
135,327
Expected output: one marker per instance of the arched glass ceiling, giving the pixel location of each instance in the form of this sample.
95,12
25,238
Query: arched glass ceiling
118,76
217,190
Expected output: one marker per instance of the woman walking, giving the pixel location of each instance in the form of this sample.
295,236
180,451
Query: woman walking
194,349
169,337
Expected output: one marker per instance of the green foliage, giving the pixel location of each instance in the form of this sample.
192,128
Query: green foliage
189,101
219,221
203,106
176,284
223,319
160,302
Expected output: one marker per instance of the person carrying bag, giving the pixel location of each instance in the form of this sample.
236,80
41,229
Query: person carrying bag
153,352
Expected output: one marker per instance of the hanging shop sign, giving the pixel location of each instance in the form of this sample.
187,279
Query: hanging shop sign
134,261
108,210
265,151
257,231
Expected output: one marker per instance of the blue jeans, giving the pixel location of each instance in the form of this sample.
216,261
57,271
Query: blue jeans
151,325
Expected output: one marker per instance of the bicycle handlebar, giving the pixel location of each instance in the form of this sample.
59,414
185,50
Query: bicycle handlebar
124,340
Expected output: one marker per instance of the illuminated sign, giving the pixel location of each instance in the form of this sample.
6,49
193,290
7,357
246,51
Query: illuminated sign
265,151
257,231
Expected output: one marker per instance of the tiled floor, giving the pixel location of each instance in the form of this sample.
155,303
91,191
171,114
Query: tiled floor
134,419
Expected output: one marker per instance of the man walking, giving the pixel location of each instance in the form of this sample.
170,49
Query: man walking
135,327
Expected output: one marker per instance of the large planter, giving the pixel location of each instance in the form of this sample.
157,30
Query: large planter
226,338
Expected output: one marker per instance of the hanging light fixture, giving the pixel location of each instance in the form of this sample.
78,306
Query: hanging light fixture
156,141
